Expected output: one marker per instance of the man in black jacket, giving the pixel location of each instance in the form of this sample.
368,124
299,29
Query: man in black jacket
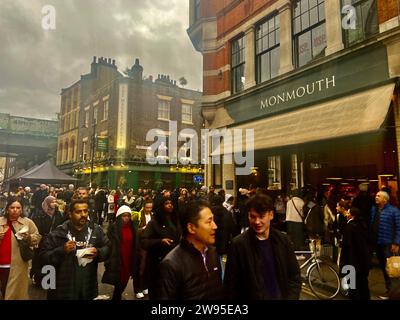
261,264
76,277
192,271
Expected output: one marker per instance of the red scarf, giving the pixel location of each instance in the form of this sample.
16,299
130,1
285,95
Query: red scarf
126,252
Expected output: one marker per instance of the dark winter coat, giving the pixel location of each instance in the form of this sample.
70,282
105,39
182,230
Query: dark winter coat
185,277
45,225
354,247
226,230
150,240
314,221
66,265
243,273
113,263
364,202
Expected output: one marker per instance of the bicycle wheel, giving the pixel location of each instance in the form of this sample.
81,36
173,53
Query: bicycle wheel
324,281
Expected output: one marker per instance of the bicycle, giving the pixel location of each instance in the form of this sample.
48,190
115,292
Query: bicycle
322,278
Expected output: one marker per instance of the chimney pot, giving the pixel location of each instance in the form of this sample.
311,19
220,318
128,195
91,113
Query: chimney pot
109,60
113,62
94,59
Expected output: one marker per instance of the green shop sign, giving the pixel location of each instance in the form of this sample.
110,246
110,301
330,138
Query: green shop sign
353,72
102,144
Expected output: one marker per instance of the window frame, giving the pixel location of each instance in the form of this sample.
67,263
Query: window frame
357,4
190,121
238,68
270,49
163,103
297,34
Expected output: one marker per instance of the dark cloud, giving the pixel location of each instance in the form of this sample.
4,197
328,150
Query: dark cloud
35,64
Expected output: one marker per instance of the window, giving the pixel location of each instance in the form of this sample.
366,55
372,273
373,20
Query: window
95,114
309,30
105,110
267,49
72,149
87,118
274,173
66,151
238,61
163,109
294,183
187,113
84,150
366,21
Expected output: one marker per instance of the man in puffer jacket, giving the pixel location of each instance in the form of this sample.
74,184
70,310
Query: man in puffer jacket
385,232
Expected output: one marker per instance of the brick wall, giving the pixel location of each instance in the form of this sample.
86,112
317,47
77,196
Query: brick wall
387,9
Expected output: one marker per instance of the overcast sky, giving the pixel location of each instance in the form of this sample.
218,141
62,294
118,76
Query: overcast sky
36,63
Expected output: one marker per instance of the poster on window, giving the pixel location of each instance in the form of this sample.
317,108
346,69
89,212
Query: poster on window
319,41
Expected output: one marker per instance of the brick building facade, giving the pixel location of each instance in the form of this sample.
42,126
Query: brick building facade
115,112
297,72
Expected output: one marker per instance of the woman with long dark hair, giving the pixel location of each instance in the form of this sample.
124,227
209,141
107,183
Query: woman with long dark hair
161,235
14,278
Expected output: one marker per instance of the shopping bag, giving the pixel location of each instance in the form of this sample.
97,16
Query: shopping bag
393,266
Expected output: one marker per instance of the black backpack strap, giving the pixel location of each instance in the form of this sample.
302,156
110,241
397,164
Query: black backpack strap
302,218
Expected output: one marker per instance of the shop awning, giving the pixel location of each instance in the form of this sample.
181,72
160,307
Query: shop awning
358,113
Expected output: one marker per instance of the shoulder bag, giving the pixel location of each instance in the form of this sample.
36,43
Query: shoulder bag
25,250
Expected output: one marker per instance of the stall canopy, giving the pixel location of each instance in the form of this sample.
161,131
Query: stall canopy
46,173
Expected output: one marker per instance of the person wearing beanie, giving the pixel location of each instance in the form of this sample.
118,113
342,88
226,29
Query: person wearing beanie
121,263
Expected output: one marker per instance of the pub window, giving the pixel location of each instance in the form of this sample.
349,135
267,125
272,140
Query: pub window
186,113
163,110
309,32
267,49
238,61
366,21
274,173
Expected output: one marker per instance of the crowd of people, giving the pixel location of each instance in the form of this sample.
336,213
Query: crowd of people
189,244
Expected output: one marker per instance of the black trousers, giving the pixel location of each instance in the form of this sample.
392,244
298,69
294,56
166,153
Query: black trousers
361,292
4,273
119,290
383,252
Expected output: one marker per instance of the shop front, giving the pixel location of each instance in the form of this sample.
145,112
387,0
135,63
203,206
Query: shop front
334,123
